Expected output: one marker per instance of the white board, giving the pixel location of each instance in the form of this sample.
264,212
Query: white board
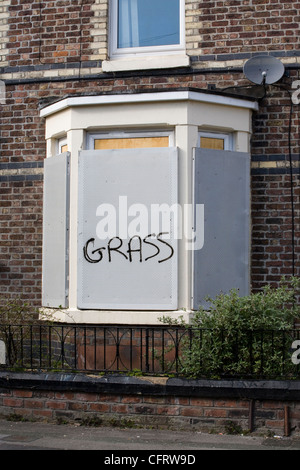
56,231
222,185
120,266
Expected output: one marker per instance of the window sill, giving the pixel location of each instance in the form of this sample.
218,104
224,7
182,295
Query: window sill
146,63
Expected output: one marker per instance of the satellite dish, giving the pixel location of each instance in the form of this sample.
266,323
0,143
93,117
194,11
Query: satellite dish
264,69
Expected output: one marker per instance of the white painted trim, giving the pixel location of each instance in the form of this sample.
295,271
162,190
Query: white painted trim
60,143
113,317
146,98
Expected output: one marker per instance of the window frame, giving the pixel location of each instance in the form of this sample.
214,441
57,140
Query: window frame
118,53
227,137
60,143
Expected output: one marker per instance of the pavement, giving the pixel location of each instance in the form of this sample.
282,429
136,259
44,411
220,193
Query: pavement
147,445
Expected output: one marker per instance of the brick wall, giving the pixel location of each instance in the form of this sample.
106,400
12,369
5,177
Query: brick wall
52,49
49,32
275,187
155,412
272,255
147,402
63,31
239,27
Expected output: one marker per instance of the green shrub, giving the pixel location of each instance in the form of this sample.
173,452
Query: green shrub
242,336
19,322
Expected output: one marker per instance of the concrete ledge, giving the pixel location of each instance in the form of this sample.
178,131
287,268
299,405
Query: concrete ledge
159,386
146,62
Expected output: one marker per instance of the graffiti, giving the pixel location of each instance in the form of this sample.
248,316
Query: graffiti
133,250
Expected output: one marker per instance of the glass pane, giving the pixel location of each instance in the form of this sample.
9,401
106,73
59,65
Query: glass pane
143,23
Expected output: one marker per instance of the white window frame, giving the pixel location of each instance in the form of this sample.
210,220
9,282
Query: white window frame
227,137
117,53
60,144
91,137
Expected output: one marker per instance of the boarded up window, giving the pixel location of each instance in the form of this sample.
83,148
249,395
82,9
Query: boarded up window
130,143
135,270
211,143
55,231
222,185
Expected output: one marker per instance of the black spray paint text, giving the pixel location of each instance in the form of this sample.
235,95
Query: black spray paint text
131,250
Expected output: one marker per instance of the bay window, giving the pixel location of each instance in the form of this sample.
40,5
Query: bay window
139,214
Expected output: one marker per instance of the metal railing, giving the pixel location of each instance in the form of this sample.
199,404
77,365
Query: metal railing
151,350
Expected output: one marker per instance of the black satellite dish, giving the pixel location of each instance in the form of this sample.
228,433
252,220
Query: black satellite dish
264,69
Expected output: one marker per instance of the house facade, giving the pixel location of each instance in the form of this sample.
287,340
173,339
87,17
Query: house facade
140,168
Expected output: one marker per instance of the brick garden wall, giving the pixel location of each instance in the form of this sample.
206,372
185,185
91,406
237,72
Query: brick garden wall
155,412
154,402
49,50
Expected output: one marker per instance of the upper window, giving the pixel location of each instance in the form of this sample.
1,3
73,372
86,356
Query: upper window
143,26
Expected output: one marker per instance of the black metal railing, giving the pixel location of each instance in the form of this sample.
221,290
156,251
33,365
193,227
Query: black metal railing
151,350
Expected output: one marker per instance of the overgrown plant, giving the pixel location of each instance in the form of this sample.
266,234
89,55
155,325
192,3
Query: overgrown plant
13,313
17,319
249,336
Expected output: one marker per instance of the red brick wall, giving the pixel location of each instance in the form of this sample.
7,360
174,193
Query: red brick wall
57,36
275,191
180,413
272,255
60,30
259,25
49,32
